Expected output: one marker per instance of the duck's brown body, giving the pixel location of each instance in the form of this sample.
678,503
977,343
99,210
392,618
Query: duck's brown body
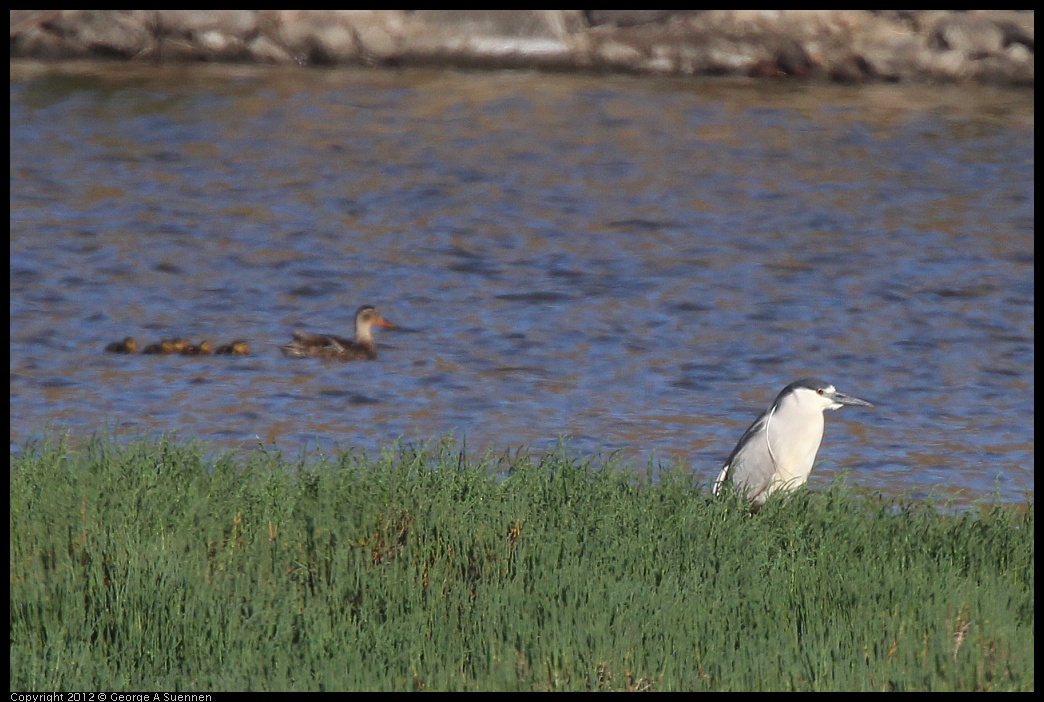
307,344
361,348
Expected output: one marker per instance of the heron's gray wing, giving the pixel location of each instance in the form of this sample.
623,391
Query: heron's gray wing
750,467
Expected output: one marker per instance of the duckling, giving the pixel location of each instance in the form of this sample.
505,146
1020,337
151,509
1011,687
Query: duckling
204,348
128,345
362,347
180,344
168,346
162,347
239,347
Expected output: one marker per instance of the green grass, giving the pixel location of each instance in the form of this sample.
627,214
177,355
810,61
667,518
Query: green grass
152,566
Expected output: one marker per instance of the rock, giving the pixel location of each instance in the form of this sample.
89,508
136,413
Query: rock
991,46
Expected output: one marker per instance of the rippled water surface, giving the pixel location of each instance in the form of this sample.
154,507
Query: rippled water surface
638,265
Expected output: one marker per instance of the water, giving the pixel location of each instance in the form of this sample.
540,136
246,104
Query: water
634,265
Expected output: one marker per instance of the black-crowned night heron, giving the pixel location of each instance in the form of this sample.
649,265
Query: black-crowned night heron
777,451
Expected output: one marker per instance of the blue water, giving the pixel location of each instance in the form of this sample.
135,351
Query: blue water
635,265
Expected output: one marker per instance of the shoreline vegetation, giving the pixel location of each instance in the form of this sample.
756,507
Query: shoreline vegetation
154,565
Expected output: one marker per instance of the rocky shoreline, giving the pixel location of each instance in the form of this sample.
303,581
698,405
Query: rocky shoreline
945,46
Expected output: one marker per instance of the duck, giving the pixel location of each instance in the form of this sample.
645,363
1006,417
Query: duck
239,347
204,348
166,346
128,345
362,347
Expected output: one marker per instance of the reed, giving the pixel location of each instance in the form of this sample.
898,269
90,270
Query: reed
155,566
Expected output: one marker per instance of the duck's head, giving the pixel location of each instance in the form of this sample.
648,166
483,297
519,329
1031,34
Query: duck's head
367,317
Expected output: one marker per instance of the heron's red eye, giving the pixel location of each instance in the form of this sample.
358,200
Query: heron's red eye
819,391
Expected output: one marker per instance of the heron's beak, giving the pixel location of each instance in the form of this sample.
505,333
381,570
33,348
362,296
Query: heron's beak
844,399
